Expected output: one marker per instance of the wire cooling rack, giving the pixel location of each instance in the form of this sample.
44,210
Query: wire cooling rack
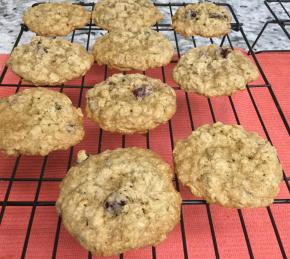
34,203
280,10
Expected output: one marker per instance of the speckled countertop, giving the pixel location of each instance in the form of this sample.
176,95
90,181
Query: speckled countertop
252,14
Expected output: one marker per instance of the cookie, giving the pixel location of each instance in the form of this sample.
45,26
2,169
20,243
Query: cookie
119,200
38,121
131,103
47,61
203,19
126,50
214,71
229,166
55,19
125,14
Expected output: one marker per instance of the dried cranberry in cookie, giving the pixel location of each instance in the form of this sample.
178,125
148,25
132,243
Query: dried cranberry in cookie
190,14
142,91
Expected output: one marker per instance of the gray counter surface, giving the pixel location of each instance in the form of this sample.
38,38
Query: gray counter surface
252,14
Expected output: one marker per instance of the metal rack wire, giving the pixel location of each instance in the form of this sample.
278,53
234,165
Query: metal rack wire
273,6
163,27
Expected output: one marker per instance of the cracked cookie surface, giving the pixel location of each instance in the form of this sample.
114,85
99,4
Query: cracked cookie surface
126,50
47,61
214,71
130,103
55,19
38,121
229,166
203,19
119,200
125,14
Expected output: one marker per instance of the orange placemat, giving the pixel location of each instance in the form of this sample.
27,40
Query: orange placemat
206,231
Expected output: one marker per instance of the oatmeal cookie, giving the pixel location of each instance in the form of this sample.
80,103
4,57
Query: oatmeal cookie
125,14
38,121
229,166
130,103
214,71
47,61
55,19
203,19
126,50
119,200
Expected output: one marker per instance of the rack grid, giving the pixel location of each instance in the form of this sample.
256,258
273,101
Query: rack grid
162,27
283,6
